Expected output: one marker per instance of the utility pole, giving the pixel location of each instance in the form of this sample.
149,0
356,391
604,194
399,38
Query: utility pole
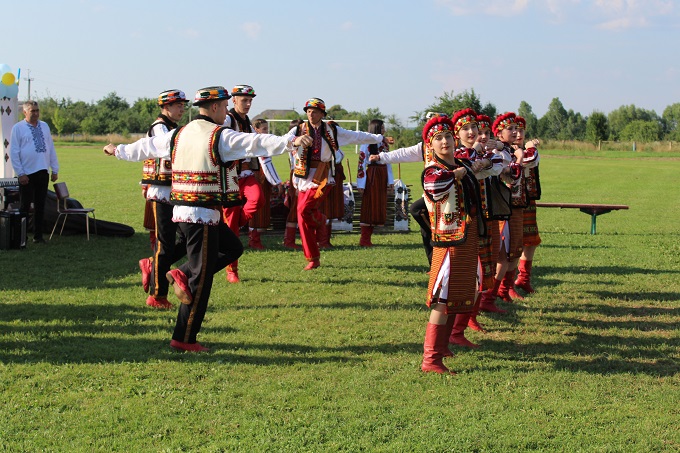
28,79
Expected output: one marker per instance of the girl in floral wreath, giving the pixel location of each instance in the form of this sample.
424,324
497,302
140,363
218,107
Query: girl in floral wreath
484,164
505,129
374,179
453,201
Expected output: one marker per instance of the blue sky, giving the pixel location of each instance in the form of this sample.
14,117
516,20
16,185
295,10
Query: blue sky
396,55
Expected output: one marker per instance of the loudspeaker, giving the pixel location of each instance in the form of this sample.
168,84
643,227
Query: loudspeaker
13,226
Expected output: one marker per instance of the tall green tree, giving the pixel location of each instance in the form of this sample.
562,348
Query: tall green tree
526,112
641,131
671,118
621,117
450,102
553,124
597,127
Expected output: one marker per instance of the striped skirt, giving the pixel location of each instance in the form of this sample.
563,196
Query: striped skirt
453,274
374,201
531,236
511,232
488,254
333,207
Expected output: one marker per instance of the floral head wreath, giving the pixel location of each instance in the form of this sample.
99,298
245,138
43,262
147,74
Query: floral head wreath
502,121
462,118
436,126
520,122
483,122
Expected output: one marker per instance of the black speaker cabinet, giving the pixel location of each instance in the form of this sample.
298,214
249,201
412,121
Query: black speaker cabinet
13,226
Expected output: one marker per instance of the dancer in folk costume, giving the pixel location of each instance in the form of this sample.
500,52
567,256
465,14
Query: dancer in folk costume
489,246
453,201
290,200
510,230
374,179
333,206
484,165
315,171
417,209
532,187
202,182
262,217
250,191
167,246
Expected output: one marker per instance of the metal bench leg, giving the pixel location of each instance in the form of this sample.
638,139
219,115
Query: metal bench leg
593,224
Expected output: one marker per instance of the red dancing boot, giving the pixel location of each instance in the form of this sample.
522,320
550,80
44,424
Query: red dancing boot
152,240
313,264
254,241
180,284
473,324
187,347
435,339
507,289
524,278
232,273
366,232
145,267
458,332
323,236
446,352
289,238
158,302
488,299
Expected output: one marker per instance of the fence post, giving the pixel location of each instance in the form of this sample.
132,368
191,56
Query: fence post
634,147
599,145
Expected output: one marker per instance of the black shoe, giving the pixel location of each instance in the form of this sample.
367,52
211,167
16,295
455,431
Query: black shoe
38,241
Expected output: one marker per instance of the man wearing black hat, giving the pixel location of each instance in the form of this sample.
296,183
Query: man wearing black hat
157,179
201,185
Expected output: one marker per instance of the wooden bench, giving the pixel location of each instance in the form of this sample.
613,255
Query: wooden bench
593,210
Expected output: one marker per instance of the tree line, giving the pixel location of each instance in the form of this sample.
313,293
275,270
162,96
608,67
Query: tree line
114,115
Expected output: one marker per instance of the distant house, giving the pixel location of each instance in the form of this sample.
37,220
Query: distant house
276,114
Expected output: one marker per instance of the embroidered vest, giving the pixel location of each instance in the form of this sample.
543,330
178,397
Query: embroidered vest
158,171
199,177
450,215
303,160
241,125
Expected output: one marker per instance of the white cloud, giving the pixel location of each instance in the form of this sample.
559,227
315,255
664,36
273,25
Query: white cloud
191,33
626,14
252,29
492,7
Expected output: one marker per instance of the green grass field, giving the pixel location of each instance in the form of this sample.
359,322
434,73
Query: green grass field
329,360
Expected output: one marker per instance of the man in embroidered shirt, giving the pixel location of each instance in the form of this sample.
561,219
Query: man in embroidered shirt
201,184
315,172
32,153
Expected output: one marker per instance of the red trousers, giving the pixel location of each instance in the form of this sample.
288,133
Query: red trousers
237,216
309,219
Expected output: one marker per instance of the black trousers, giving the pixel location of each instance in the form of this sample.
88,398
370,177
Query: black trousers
418,210
210,248
169,248
35,192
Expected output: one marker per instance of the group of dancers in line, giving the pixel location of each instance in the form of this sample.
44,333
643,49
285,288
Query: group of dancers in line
207,180
478,221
